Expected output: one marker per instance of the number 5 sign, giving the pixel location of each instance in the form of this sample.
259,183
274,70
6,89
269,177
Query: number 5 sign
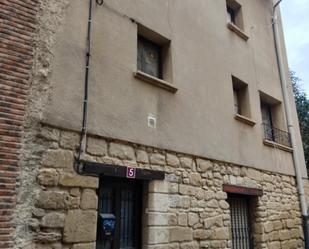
131,172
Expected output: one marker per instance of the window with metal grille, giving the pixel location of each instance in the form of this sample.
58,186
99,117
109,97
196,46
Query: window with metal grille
240,222
149,56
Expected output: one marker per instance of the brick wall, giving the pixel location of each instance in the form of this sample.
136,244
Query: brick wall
17,27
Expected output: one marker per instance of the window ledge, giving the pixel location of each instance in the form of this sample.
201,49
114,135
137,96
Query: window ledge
238,31
276,145
245,120
155,81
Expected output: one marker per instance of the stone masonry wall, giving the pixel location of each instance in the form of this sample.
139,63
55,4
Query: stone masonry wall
188,210
17,29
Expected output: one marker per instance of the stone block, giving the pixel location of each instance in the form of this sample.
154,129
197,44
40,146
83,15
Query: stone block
193,219
38,212
53,200
50,134
89,199
80,226
162,219
190,245
203,165
158,202
69,140
183,219
201,234
195,179
84,246
48,237
96,146
48,177
212,204
186,162
158,187
74,180
268,226
75,192
224,204
220,234
142,156
163,246
254,174
284,235
178,234
186,189
213,222
58,159
121,151
53,220
157,235
274,245
157,158
172,160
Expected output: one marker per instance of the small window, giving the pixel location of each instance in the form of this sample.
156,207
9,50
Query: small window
241,97
149,58
154,59
234,12
240,222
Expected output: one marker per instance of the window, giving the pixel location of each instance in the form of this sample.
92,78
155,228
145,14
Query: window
241,101
149,57
235,18
122,199
240,222
273,121
154,59
234,12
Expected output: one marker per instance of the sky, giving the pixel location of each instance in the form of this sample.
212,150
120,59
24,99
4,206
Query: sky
295,15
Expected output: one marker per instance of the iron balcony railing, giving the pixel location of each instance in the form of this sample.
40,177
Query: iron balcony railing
276,135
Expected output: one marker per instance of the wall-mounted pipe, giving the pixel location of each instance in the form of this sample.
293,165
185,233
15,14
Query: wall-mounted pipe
83,138
289,120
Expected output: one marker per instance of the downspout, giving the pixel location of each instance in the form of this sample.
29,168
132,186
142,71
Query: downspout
289,120
83,138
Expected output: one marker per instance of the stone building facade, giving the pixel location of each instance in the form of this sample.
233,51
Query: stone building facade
207,154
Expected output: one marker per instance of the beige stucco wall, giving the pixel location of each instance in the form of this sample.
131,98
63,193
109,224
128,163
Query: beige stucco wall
199,118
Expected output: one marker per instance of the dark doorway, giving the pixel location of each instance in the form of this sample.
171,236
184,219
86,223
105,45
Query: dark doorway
123,199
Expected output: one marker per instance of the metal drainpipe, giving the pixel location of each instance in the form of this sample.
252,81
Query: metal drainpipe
82,144
284,86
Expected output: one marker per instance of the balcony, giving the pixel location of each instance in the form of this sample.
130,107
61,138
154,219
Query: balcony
277,138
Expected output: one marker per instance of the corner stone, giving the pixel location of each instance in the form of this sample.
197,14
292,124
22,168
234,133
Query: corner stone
80,226
89,199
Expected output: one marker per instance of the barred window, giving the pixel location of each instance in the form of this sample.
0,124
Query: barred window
240,222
